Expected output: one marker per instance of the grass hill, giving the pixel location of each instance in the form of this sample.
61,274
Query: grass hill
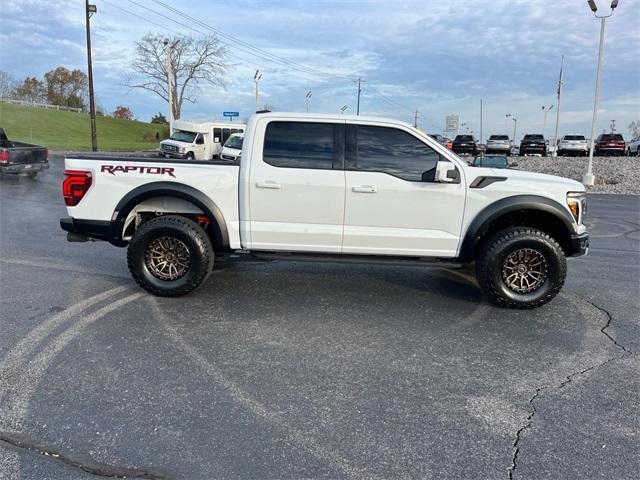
60,130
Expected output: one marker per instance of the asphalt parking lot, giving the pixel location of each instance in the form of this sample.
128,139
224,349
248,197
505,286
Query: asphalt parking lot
303,370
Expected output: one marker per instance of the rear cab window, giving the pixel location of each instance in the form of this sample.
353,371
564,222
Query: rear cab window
303,145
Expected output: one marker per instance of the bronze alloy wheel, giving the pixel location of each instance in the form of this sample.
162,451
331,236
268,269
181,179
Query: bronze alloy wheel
167,258
524,271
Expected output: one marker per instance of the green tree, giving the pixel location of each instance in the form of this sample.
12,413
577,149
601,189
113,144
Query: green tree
31,90
160,119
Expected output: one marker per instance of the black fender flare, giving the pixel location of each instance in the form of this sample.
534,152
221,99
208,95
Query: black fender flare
167,189
483,219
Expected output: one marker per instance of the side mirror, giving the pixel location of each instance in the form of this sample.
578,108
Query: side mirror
446,172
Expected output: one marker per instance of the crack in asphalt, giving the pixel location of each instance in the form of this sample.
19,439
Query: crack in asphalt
568,379
86,463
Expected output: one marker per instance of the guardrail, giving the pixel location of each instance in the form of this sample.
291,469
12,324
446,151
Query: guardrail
42,105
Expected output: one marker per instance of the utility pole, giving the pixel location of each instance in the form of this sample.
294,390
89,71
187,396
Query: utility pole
89,10
256,78
360,82
415,120
480,120
612,125
589,178
307,98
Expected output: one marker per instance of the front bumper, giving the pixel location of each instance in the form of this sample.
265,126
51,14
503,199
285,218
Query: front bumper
579,245
163,154
23,167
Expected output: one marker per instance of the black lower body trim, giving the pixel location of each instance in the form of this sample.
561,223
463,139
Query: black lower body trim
579,245
24,167
98,229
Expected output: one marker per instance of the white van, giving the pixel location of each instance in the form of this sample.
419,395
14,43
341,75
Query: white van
197,141
232,148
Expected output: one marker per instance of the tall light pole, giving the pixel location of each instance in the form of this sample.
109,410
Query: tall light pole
506,120
545,111
480,120
515,124
555,135
360,82
589,178
307,98
256,78
89,10
169,68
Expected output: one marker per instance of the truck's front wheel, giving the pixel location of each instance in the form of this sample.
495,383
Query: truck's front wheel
170,256
521,267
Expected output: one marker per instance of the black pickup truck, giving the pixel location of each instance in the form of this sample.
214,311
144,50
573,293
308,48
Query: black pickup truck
21,158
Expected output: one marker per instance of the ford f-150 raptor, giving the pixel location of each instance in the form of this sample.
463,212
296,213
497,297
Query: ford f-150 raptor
331,188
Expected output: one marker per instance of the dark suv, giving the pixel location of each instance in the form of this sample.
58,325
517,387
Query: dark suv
533,143
465,144
609,144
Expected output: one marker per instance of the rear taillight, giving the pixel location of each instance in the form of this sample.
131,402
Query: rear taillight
4,156
75,185
46,154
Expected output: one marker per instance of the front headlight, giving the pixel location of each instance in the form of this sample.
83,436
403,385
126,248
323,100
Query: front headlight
182,149
577,203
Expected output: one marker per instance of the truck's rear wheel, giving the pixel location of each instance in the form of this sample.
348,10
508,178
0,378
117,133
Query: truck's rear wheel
521,267
170,256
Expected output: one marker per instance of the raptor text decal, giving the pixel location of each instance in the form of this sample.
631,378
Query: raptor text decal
113,169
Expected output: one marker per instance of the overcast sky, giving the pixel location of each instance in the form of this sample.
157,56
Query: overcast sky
440,57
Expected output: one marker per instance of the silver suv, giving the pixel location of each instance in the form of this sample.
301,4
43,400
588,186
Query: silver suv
573,145
499,144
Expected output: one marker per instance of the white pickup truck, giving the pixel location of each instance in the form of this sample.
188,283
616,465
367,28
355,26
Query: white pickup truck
331,188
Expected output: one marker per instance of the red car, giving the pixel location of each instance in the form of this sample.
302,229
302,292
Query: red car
609,144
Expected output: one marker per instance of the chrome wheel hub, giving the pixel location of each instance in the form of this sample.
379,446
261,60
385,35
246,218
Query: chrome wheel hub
167,258
524,270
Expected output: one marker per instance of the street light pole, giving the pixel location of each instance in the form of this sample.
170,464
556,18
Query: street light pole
515,124
589,178
256,78
90,9
545,110
360,82
307,98
506,121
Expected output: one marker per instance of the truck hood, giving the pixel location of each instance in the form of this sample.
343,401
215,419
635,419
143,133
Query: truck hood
535,180
175,143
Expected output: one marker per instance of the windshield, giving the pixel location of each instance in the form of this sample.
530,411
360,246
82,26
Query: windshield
498,137
574,137
491,161
234,142
183,136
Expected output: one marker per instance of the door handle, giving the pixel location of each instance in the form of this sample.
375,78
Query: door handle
269,184
364,189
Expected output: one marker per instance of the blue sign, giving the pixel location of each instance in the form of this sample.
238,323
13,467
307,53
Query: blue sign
230,114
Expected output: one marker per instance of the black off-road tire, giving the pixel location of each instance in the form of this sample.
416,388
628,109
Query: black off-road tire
185,230
496,250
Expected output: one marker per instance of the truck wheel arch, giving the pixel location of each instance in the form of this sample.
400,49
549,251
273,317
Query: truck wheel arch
169,189
522,210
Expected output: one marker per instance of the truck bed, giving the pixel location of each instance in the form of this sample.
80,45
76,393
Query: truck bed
17,157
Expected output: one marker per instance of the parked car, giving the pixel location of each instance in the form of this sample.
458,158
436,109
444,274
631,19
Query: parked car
306,190
609,144
465,144
21,158
533,143
232,149
499,144
197,141
573,145
633,147
493,161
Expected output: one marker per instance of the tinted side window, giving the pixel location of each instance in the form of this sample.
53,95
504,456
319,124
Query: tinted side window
393,151
217,133
299,145
226,132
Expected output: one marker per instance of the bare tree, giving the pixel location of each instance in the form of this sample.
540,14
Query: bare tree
193,61
7,84
634,128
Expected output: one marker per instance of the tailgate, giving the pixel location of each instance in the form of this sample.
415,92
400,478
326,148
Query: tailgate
26,155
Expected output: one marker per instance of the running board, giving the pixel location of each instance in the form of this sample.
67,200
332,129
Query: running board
353,258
